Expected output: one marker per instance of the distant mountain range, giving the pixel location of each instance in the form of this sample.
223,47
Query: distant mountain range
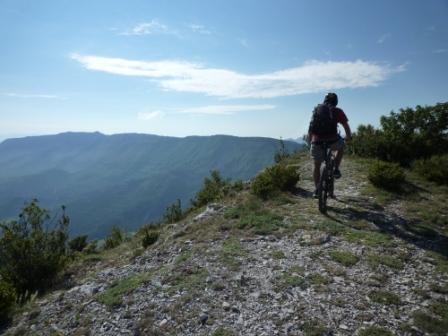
123,179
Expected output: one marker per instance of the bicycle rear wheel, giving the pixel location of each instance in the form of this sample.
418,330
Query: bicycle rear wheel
322,190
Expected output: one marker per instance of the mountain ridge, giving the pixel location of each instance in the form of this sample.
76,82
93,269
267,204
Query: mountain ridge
106,180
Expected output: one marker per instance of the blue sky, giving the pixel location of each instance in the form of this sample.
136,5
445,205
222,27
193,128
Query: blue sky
246,68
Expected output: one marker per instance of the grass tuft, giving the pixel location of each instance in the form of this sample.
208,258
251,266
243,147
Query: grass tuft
113,296
375,331
231,254
343,257
384,297
393,262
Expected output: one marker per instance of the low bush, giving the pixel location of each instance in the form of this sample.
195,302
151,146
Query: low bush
433,169
214,188
31,256
238,185
151,234
386,175
92,247
270,181
115,238
173,213
7,300
78,243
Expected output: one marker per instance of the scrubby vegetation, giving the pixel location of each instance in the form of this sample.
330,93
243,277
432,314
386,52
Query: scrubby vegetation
7,300
433,169
215,187
274,179
115,238
150,235
389,176
31,255
403,137
78,243
173,212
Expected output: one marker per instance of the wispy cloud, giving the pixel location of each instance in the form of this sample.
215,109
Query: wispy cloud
152,27
199,29
440,51
313,76
31,96
225,109
150,115
383,38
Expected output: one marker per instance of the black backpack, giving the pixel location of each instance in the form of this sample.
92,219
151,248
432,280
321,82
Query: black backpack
323,121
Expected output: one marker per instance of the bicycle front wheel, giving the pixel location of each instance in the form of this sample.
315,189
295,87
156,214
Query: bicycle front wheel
323,190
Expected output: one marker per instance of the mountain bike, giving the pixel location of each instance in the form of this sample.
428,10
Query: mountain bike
325,187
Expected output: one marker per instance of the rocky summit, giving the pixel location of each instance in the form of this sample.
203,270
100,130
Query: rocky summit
376,264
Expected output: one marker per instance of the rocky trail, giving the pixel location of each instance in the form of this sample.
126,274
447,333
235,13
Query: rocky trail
356,271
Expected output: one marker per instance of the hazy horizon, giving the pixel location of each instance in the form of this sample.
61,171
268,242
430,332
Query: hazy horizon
140,133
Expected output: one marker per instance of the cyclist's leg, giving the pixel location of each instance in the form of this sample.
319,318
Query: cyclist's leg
317,154
338,147
316,173
338,158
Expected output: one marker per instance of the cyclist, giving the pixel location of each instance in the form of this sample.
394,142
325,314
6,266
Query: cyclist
324,127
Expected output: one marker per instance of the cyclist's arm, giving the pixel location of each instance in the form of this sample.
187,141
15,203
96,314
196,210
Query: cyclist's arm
348,131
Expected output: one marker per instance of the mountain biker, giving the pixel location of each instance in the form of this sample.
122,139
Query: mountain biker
323,127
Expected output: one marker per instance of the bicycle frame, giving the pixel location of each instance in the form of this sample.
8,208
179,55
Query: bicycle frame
326,182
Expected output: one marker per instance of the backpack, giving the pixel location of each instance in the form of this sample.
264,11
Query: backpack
323,121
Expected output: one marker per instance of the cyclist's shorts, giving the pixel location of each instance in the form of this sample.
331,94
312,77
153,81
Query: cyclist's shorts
317,152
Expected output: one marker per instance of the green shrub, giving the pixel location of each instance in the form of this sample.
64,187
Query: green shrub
151,234
270,181
115,238
434,169
92,247
31,256
214,188
405,136
7,300
386,175
78,243
173,213
238,185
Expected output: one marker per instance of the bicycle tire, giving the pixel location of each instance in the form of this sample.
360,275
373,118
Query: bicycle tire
323,189
330,178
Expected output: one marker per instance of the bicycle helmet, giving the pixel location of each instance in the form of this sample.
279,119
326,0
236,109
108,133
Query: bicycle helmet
331,99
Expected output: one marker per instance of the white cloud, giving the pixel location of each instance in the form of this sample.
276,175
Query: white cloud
383,38
200,29
150,115
31,96
225,109
440,51
313,76
150,28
